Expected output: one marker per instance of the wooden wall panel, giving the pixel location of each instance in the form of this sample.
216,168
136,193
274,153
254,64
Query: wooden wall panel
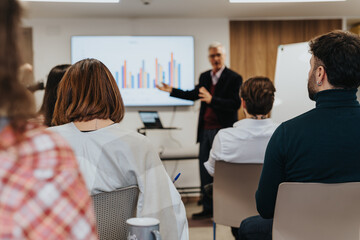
253,44
273,39
317,27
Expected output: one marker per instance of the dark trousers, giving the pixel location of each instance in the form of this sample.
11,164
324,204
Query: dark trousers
235,232
256,228
206,142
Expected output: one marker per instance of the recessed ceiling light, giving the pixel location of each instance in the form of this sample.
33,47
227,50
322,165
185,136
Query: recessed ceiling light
282,1
75,1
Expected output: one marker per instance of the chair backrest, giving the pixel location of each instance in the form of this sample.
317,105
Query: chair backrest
316,211
234,190
112,209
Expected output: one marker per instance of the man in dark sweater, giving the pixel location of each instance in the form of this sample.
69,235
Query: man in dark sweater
321,145
218,91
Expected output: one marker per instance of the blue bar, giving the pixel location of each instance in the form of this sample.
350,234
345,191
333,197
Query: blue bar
174,67
132,81
138,80
117,78
170,73
154,84
164,76
148,80
179,76
122,76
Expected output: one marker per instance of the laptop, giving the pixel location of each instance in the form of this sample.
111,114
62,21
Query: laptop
151,119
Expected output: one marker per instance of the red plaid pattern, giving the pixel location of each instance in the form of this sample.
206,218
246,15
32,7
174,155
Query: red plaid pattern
42,193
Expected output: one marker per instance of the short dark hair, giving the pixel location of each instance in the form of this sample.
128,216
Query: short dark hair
50,96
88,91
339,53
258,94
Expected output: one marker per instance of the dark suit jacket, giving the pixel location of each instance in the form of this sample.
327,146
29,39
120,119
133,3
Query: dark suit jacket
225,100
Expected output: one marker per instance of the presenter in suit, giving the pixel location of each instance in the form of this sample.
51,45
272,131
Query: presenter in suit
218,91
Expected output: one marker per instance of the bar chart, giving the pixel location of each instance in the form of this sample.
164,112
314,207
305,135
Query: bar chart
139,63
142,78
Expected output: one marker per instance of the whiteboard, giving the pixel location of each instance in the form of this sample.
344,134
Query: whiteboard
291,76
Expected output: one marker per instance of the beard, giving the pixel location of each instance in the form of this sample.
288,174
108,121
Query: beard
312,86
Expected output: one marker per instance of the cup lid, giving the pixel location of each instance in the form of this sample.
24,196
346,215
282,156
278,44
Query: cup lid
144,222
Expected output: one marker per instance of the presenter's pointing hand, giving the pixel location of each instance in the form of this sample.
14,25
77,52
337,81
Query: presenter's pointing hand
164,87
204,95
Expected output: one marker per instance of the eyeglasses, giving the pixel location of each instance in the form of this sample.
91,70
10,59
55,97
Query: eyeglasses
215,55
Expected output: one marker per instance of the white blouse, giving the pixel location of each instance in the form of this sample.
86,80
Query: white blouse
245,142
111,158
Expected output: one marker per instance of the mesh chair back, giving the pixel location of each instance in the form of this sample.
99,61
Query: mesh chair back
234,190
112,209
316,211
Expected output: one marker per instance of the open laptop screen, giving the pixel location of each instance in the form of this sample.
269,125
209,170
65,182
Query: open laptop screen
150,119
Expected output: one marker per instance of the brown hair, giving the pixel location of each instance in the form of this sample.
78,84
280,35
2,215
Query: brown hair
50,96
86,92
16,102
258,94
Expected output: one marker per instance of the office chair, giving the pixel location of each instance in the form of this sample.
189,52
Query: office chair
112,209
234,190
317,211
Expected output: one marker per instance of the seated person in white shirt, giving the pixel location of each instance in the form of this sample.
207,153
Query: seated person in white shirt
246,141
87,114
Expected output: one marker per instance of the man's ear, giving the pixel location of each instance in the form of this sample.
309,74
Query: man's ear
321,74
243,104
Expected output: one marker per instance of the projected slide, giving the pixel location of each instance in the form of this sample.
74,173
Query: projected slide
139,63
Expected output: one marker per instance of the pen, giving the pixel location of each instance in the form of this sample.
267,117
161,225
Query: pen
176,178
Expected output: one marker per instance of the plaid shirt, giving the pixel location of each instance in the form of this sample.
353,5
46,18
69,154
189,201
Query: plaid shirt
42,193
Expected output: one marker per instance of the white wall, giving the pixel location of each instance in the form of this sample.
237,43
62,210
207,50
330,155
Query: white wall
51,42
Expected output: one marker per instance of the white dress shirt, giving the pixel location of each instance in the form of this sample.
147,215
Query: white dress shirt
215,76
245,142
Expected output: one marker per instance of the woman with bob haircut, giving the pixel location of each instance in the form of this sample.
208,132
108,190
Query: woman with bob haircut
246,141
43,195
88,109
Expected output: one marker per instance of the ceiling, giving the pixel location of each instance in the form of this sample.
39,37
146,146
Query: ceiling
193,9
